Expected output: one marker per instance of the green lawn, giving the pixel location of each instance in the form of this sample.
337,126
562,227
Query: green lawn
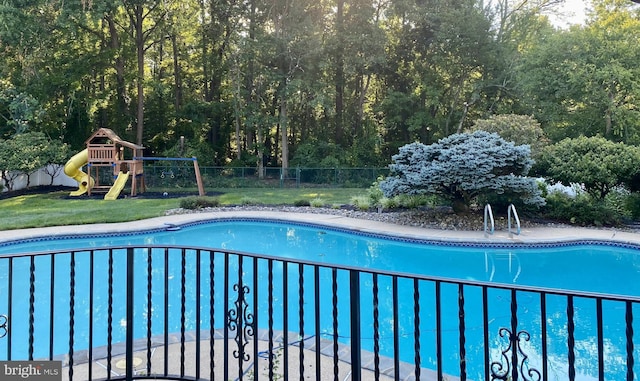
53,209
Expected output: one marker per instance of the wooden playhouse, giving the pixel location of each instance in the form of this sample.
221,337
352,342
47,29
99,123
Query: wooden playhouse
106,152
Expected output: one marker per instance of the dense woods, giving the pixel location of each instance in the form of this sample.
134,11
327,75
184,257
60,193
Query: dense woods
312,83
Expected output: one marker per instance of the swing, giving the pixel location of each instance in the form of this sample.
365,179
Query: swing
172,172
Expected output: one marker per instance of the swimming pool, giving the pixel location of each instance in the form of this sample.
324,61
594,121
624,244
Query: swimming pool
572,266
566,266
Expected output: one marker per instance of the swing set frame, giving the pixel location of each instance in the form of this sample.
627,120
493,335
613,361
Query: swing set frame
196,168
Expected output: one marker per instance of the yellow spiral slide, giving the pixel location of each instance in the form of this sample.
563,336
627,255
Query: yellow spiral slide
73,169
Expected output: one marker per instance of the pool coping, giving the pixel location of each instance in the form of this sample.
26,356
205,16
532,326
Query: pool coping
534,235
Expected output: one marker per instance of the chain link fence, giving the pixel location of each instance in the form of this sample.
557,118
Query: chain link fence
176,175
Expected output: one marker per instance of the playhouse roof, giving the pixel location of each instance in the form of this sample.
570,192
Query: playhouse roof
109,134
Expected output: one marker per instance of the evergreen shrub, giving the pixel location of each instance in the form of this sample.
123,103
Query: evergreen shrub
462,167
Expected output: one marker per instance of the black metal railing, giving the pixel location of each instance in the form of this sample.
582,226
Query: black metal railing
194,313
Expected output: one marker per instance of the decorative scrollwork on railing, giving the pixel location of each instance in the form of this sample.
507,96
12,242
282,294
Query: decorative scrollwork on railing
501,370
240,319
4,326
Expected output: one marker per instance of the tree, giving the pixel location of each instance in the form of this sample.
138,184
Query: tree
17,110
22,155
265,78
439,71
584,81
52,156
7,161
595,162
520,129
142,25
462,167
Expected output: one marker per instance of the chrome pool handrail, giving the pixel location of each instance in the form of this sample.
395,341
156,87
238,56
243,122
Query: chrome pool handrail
488,213
515,217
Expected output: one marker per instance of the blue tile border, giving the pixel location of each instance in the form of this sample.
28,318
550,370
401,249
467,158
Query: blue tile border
436,242
79,236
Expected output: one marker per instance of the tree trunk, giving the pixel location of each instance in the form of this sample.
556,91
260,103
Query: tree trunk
271,146
140,78
121,89
177,73
464,115
162,111
339,79
284,132
205,51
260,153
283,66
607,117
236,112
8,183
362,96
250,106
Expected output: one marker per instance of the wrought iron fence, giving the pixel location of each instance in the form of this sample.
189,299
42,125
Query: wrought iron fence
151,312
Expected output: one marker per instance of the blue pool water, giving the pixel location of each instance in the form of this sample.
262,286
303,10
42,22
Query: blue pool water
573,267
600,268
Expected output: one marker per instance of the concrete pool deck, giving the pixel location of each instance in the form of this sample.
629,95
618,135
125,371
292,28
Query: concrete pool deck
527,235
255,364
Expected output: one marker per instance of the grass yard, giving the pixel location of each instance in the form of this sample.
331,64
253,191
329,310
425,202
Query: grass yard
55,208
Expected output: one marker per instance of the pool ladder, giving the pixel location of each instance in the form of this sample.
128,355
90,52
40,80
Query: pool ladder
488,213
511,214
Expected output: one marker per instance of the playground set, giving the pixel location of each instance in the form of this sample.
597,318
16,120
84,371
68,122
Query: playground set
122,159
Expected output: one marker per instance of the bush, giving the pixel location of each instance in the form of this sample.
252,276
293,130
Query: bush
199,202
318,155
249,201
462,167
414,201
582,210
25,153
375,193
600,165
389,203
301,203
361,202
520,129
632,205
317,203
500,201
617,201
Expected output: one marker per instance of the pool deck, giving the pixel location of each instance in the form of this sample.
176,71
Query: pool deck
527,235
